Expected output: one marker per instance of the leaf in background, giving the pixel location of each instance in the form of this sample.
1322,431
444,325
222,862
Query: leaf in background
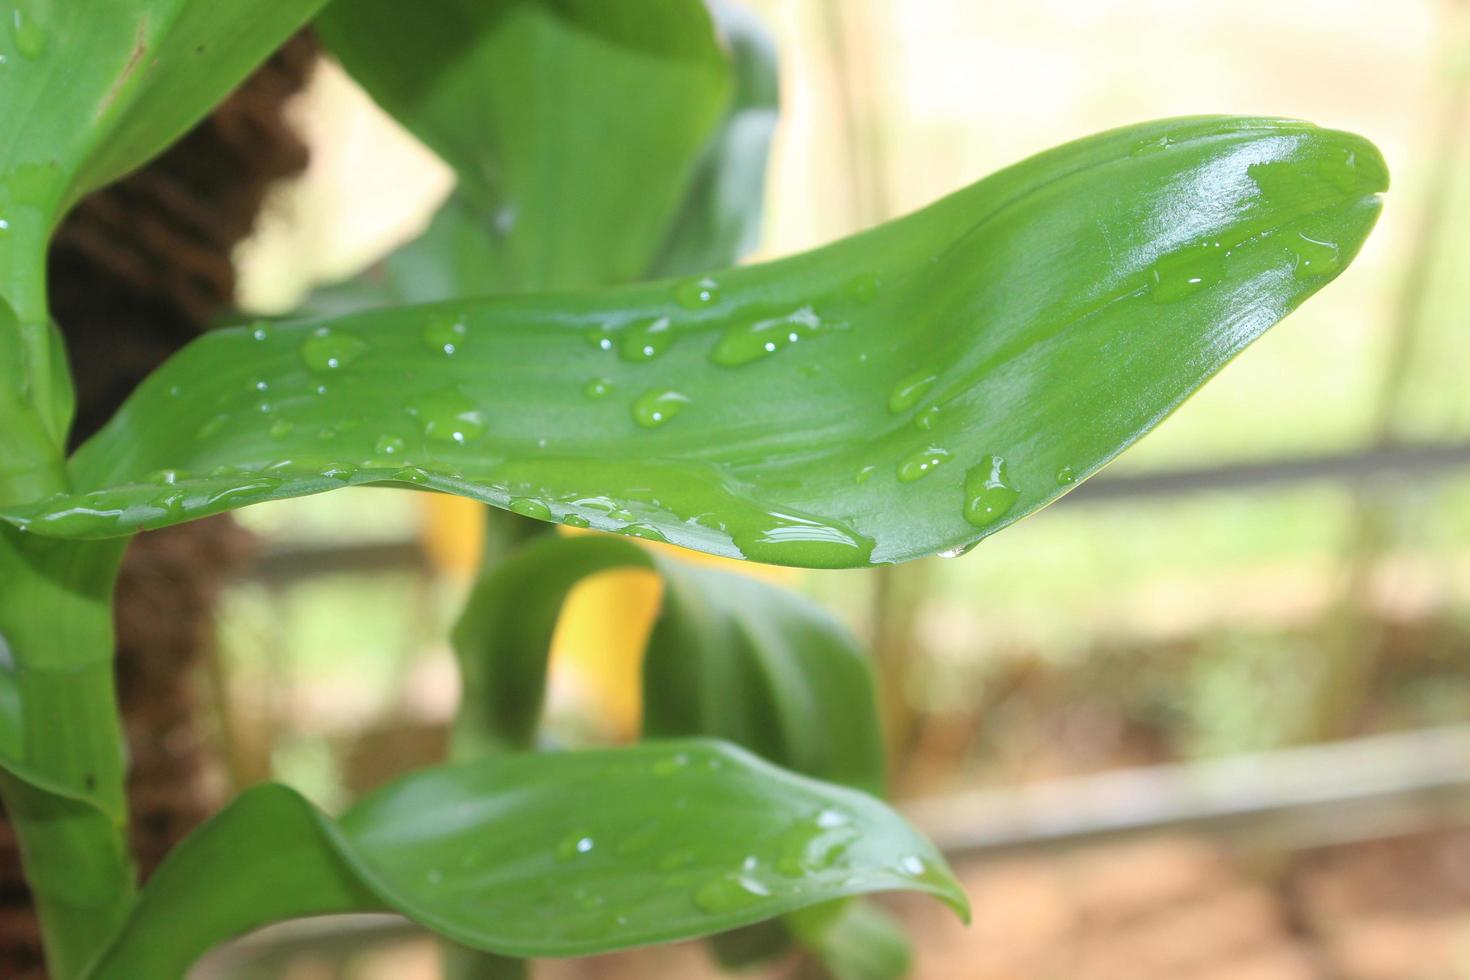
554,854
728,657
853,940
92,90
720,220
575,127
906,391
764,667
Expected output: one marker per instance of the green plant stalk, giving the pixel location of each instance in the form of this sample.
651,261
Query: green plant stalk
63,732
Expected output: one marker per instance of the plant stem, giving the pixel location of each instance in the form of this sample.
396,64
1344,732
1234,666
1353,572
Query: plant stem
61,741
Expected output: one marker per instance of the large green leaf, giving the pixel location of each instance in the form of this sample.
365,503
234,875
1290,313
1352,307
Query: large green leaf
729,657
906,391
554,854
574,127
90,91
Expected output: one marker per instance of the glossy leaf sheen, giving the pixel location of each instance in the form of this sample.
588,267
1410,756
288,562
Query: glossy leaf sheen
903,392
555,854
728,657
574,127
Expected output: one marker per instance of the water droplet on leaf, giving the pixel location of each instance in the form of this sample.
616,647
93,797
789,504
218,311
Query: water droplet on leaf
657,406
988,495
326,350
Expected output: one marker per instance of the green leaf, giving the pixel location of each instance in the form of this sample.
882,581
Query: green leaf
766,668
91,91
728,657
575,127
720,221
554,854
853,940
952,371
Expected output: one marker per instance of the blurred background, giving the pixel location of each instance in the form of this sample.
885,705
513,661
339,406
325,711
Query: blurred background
1207,717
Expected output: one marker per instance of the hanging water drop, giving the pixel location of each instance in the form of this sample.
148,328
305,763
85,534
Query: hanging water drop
988,494
530,507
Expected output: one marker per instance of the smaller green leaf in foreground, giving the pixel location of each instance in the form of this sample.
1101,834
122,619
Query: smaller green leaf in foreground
554,854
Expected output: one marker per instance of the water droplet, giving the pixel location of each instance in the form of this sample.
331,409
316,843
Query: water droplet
604,505
1190,270
645,531
281,428
448,415
988,494
657,406
797,539
598,387
864,473
671,765
601,337
922,463
411,474
1154,144
730,893
958,551
577,844
911,864
445,334
1313,257
339,471
743,343
165,477
695,294
925,420
389,446
260,330
530,507
576,520
325,350
1066,476
30,36
910,389
645,341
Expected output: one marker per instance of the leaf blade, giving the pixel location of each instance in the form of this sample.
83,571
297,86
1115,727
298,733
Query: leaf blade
465,849
1022,333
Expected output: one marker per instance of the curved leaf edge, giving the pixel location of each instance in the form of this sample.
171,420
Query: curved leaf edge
337,875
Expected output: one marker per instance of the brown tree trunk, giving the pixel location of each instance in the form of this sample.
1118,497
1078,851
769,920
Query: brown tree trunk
136,271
